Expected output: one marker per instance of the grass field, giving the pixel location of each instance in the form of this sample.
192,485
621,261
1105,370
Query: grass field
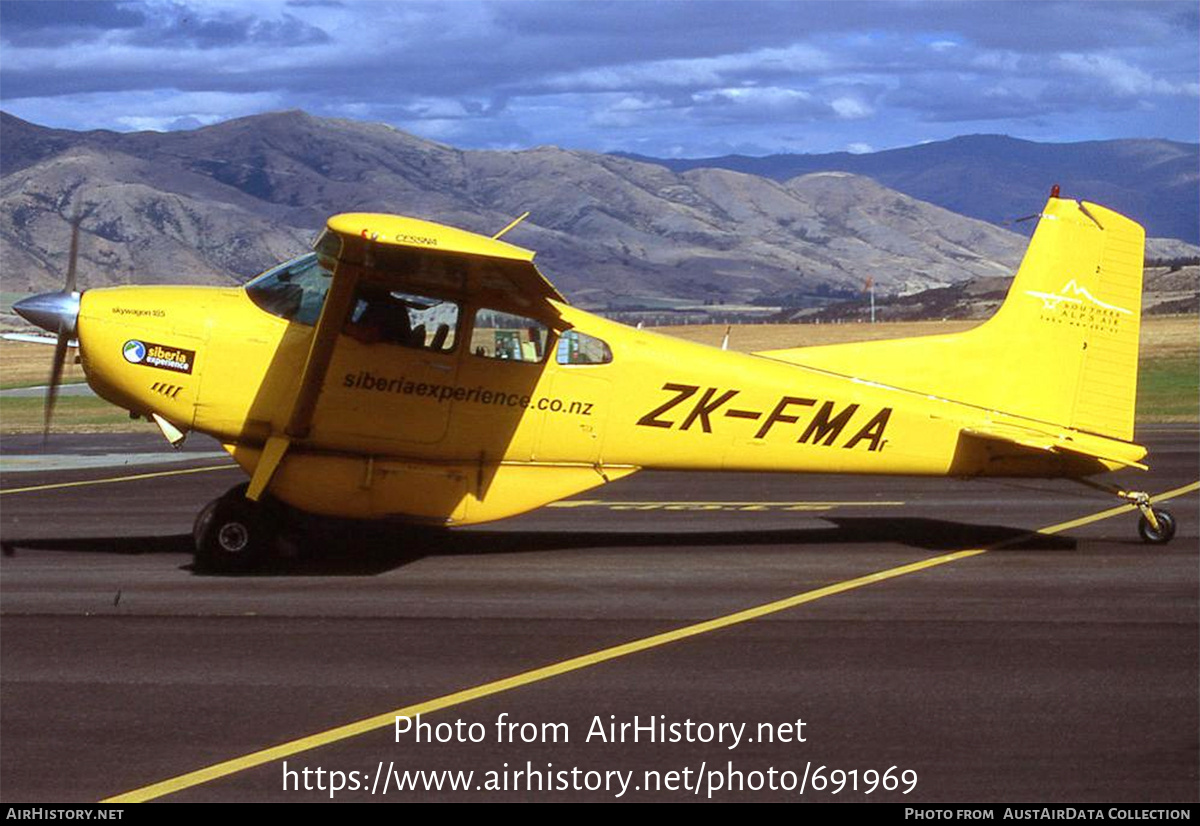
1168,389
74,414
28,365
1168,385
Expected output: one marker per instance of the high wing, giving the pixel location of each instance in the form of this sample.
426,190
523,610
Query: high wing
424,257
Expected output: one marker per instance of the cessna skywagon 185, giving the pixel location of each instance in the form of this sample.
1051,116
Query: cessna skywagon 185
413,371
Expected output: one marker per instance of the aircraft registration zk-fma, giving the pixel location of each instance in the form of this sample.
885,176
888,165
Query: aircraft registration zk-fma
413,371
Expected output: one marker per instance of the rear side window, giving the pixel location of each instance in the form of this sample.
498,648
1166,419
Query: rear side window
575,347
508,337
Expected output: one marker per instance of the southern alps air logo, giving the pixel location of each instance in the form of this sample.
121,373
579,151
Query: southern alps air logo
147,354
1072,293
1074,306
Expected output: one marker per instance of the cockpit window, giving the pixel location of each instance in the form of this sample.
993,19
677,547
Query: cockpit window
294,290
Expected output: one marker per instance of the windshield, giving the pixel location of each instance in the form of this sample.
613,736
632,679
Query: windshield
294,290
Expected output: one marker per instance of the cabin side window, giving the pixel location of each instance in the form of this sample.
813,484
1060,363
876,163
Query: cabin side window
388,316
508,337
575,347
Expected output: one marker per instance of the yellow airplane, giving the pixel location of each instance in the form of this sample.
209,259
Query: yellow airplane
414,371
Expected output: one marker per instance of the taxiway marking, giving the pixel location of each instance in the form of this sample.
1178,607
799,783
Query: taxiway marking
333,735
1119,509
714,506
111,479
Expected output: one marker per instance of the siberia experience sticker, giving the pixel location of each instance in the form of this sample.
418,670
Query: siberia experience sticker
161,356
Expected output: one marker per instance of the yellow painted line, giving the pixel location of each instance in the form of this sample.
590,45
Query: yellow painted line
379,721
610,503
111,479
1096,517
536,675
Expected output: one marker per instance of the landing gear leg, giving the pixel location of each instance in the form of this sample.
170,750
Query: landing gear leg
1156,525
234,534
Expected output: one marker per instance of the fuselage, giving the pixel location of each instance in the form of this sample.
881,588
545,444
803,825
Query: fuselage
501,416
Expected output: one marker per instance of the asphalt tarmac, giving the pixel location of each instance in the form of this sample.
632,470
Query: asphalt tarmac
1051,668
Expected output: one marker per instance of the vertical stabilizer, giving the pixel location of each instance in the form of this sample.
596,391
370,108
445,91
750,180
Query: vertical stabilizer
1063,347
1078,295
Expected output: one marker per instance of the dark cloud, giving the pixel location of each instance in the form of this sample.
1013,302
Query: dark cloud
1038,27
41,24
35,23
933,103
607,33
762,74
180,25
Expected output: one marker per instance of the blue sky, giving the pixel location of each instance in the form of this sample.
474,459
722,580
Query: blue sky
661,78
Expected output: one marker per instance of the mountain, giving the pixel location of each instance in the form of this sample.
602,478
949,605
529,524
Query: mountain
228,200
997,178
1168,289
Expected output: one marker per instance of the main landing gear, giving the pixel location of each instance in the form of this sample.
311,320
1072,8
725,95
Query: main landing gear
1155,525
234,534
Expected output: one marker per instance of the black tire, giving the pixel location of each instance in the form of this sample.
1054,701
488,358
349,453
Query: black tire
233,534
1165,532
204,519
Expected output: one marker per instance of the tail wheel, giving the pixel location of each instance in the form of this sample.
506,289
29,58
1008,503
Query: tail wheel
1160,535
234,534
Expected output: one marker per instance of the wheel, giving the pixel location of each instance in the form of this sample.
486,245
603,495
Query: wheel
233,534
1166,528
204,518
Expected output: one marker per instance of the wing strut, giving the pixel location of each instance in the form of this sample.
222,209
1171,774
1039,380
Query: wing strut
272,455
338,303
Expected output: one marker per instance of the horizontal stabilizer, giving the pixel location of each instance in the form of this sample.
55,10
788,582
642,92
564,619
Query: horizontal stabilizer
1110,451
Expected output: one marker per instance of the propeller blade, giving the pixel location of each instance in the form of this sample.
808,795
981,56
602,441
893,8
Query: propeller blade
76,220
66,328
56,372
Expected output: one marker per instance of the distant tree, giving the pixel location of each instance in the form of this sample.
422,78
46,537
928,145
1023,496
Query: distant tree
1174,263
